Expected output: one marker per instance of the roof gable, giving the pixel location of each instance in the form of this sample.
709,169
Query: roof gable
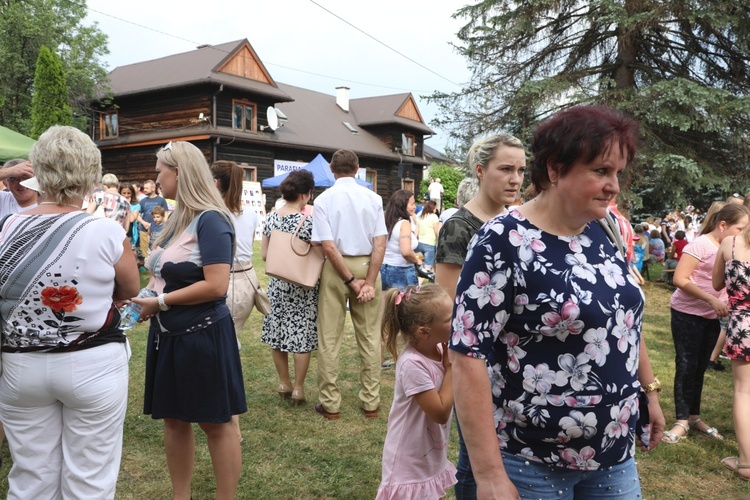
396,109
409,110
245,63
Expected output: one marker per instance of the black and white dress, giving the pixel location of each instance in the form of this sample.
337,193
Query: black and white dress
292,325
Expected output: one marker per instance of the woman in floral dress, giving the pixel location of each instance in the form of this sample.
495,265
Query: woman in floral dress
732,268
292,326
546,306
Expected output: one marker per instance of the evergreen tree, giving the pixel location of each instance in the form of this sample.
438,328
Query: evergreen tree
681,67
27,25
49,106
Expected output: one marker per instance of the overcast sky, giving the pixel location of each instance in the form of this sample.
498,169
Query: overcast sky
303,42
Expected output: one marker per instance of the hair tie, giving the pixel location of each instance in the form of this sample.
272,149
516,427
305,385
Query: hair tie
399,296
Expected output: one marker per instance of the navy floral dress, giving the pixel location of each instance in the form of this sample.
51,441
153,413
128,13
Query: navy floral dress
558,322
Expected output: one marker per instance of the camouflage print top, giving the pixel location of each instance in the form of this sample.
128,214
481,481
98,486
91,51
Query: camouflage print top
455,235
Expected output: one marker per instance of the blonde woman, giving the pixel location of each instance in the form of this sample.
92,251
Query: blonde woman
64,385
193,372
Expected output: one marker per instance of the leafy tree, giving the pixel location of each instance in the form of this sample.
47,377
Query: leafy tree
449,176
49,106
27,25
681,67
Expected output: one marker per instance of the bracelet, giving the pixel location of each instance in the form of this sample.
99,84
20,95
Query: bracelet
349,280
653,386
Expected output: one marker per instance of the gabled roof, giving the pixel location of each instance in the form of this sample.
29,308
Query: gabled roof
396,109
233,63
314,119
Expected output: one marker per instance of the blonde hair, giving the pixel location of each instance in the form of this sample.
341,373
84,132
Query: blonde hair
484,149
67,164
712,210
196,191
417,306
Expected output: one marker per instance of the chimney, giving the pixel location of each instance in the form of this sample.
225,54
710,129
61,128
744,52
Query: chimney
342,98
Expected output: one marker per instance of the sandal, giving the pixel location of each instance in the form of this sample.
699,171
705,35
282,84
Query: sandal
737,466
711,432
672,438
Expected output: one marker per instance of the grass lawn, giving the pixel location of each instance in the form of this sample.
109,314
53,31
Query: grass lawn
293,453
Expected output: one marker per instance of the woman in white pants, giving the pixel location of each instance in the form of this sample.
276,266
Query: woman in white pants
64,385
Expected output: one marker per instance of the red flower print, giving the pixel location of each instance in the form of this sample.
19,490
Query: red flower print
65,298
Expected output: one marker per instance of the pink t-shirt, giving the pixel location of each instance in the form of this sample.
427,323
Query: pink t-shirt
705,251
415,455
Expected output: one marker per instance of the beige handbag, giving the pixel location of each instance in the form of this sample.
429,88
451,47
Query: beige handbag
291,259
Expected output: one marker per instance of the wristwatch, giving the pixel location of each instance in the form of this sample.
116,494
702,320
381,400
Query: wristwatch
162,305
653,386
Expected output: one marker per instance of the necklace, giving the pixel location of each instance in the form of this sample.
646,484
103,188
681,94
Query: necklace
60,204
476,202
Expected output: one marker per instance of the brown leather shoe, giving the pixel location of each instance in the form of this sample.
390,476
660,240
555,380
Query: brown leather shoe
371,413
327,414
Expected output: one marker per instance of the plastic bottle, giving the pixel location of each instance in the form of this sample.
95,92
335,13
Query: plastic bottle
130,313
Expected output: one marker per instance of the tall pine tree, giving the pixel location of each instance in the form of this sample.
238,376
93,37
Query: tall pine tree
49,106
681,67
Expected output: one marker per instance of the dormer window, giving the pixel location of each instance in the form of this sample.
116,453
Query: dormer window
108,125
244,116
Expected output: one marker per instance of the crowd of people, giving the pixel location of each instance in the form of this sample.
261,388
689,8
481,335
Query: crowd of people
530,336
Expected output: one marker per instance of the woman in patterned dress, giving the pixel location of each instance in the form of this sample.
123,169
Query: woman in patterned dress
292,326
732,269
546,307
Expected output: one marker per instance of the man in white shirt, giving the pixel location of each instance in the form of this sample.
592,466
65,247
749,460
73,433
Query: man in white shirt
348,222
435,191
17,198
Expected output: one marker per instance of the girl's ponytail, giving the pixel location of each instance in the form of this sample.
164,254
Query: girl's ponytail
391,325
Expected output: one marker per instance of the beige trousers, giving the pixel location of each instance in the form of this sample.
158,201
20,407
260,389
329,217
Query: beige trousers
241,295
366,318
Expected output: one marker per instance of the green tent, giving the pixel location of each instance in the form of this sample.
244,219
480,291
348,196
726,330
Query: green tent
14,145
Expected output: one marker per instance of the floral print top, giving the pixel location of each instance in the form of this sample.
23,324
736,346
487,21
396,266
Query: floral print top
558,322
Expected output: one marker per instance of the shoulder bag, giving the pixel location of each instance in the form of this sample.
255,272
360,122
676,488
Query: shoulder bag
291,259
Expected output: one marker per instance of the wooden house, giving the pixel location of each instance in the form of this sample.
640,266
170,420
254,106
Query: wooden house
223,99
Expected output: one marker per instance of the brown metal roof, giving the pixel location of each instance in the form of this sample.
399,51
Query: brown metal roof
188,68
381,110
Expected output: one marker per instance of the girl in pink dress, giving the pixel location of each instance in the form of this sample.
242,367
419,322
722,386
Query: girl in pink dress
415,455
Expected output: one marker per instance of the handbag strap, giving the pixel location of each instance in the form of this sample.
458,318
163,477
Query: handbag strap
294,236
612,228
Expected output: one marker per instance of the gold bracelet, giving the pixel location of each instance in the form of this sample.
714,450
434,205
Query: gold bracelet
653,386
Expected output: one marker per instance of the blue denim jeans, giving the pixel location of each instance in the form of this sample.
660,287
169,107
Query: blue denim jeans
537,480
466,487
429,254
397,276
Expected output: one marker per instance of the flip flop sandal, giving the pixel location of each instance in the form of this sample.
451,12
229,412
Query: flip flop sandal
671,437
737,466
711,432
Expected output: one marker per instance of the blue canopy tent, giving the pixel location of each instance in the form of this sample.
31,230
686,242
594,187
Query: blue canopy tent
321,173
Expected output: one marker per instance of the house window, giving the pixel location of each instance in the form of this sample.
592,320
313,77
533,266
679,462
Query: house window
408,142
251,173
108,125
244,116
408,184
372,177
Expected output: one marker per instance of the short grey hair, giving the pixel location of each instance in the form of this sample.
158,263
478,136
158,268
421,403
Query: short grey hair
67,163
110,180
14,161
483,149
467,189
